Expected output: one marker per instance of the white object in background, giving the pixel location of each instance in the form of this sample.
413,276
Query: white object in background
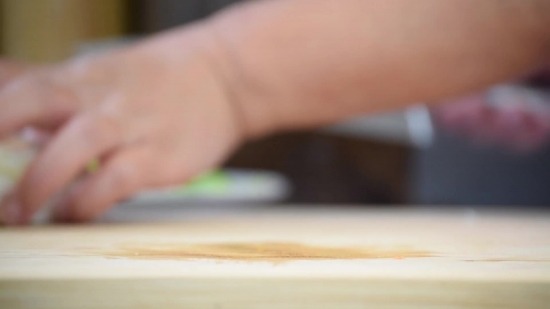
412,127
420,126
519,96
229,185
389,127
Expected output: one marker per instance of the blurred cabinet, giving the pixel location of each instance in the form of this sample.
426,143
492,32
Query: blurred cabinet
50,30
157,15
325,168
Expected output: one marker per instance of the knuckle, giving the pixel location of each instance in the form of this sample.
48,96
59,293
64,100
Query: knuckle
87,130
61,99
122,176
94,129
40,81
47,93
170,174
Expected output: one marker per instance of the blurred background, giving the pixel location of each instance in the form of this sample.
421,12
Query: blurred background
454,155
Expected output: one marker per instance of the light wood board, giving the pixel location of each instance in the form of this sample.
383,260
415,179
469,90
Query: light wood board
284,258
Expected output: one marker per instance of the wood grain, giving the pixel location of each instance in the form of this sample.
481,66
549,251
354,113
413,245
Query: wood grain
284,258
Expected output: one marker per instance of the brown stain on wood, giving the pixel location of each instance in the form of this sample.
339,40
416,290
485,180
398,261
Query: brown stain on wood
268,251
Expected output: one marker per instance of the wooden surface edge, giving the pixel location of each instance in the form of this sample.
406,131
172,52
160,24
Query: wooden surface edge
270,293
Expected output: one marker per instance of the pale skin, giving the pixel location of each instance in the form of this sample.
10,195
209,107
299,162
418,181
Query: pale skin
167,109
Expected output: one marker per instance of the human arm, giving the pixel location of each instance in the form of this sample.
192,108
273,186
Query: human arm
167,109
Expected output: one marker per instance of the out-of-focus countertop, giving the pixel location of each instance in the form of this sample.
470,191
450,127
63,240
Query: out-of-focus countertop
172,255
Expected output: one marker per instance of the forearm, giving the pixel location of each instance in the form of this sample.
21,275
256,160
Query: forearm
298,63
197,92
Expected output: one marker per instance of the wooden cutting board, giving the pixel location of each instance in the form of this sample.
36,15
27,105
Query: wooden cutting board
284,258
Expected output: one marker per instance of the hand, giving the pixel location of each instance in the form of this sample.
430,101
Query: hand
514,124
155,114
9,70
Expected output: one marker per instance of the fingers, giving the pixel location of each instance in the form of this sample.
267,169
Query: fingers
85,138
9,209
124,174
34,100
9,70
36,137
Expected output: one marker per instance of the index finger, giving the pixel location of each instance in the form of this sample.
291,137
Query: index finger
83,139
9,70
34,100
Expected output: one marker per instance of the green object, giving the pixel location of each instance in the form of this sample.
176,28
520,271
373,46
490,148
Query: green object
93,166
11,173
212,182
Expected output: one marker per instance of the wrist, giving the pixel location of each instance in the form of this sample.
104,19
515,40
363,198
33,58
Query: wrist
192,55
209,44
247,92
